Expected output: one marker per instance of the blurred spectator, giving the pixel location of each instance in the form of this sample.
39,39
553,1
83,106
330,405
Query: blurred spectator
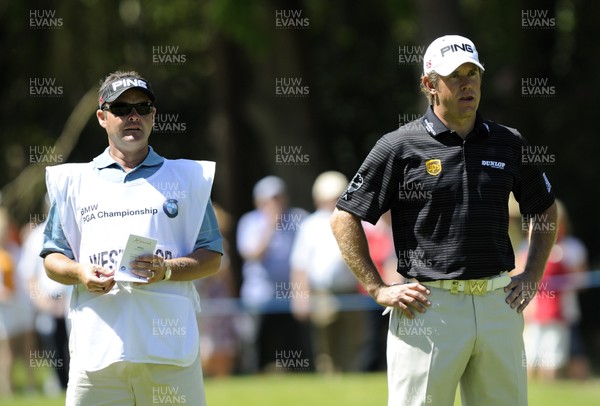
217,321
18,310
575,260
7,290
381,249
552,336
50,299
319,271
264,240
20,316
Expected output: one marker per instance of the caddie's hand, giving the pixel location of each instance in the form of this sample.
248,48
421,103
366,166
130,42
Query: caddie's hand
409,297
521,291
151,267
96,279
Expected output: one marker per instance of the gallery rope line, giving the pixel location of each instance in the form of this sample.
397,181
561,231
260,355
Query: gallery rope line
358,302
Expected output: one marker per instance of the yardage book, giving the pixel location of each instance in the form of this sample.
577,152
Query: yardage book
136,246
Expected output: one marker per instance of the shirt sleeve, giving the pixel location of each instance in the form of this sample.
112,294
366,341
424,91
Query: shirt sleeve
209,236
371,191
54,236
532,189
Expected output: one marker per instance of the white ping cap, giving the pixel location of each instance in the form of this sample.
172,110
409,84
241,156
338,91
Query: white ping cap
447,53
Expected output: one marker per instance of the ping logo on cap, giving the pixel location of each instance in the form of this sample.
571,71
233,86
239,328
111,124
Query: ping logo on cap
456,48
128,82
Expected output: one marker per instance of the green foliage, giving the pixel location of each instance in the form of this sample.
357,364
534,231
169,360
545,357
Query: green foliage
244,22
347,55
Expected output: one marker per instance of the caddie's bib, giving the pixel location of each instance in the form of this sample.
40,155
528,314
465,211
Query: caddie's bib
154,323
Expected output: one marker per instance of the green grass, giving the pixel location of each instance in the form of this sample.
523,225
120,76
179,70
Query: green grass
338,390
298,390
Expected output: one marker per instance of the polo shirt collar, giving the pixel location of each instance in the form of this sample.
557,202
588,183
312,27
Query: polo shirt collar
434,126
105,160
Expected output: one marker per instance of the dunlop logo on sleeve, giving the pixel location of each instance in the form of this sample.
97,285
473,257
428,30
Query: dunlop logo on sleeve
493,164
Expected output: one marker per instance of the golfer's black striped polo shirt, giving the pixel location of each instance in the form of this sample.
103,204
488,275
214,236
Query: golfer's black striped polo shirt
448,196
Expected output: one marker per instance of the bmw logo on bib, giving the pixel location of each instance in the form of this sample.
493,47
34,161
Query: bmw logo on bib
170,208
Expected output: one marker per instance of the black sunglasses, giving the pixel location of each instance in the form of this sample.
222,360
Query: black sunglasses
124,109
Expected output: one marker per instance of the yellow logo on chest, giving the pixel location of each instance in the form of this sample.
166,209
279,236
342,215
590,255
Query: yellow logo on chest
433,166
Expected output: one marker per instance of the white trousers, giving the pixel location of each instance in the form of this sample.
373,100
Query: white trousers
475,341
128,384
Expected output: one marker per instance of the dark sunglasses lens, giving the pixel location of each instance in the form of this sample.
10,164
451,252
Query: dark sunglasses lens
143,109
120,110
125,109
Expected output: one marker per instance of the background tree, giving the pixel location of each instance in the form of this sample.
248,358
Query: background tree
219,88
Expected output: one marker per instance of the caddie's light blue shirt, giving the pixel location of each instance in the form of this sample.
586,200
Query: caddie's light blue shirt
108,169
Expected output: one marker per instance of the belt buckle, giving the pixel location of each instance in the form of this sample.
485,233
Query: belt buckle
476,287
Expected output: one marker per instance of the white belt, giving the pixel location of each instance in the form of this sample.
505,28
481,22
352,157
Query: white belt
471,287
468,287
